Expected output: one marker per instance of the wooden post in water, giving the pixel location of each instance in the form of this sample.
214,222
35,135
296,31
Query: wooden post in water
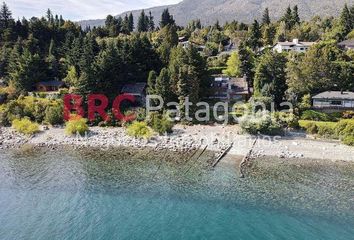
246,159
222,155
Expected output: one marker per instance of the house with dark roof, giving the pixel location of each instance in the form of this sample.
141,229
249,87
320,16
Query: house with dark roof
295,45
334,100
138,90
347,44
49,86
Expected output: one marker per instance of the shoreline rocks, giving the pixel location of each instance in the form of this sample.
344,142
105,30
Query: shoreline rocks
184,139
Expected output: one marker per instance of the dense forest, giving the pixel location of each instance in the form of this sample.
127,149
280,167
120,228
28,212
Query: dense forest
102,59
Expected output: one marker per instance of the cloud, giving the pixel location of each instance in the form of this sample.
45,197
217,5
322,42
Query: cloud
80,9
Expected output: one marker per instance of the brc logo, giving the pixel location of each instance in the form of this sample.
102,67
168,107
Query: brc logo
74,102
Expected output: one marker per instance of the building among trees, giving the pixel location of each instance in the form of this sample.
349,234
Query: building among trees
50,86
334,100
295,45
230,89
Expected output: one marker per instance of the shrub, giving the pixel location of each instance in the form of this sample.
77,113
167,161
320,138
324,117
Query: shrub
139,130
54,115
76,125
25,126
316,116
140,114
159,123
326,130
305,102
258,103
349,140
30,107
345,131
11,111
311,128
286,119
345,128
260,122
348,115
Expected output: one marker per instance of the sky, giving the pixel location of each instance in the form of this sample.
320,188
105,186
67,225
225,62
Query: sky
79,9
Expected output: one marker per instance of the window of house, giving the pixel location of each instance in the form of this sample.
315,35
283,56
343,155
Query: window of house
337,103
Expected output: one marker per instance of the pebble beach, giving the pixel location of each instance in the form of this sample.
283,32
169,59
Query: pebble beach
188,138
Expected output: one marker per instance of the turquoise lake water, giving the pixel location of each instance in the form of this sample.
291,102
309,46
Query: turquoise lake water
129,195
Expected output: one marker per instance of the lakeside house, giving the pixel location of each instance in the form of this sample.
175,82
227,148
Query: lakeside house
347,44
295,45
50,86
230,89
335,100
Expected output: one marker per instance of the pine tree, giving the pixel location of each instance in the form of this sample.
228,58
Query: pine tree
151,83
296,17
346,20
72,77
53,65
162,85
270,77
109,21
89,51
198,24
61,21
4,61
131,22
49,15
266,17
183,88
25,70
113,25
169,39
217,26
166,19
125,25
56,21
143,22
246,57
107,71
188,74
288,19
255,37
151,22
268,35
73,50
5,16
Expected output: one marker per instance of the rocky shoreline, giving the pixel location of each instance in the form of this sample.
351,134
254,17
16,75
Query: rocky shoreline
185,139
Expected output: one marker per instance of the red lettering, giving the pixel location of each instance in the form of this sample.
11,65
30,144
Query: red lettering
116,108
100,109
73,102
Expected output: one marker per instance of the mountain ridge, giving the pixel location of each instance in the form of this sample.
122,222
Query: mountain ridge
209,11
